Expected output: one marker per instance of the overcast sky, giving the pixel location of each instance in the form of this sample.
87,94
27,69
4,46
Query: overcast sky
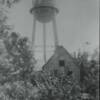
77,23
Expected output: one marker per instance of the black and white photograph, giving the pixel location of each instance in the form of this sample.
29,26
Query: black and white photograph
49,50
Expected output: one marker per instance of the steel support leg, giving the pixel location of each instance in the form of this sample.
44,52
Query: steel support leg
44,41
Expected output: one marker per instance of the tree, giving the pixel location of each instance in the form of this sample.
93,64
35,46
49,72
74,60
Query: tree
16,67
4,5
89,73
16,60
56,86
9,3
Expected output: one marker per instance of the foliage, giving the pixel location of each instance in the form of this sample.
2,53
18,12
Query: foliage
9,3
56,86
89,73
17,81
16,66
16,61
18,78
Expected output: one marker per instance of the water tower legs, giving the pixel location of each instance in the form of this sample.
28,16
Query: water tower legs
44,42
55,32
33,34
55,35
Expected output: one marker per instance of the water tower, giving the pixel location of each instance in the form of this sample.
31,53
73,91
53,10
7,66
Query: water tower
44,11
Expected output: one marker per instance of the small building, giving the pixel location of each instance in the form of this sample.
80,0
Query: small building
62,61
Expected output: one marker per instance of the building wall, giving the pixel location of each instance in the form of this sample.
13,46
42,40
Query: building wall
70,65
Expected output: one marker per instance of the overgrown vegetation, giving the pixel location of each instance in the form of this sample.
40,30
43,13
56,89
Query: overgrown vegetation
89,73
18,81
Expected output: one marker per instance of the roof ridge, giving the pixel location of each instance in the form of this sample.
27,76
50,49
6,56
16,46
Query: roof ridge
60,48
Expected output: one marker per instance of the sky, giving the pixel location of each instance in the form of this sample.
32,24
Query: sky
77,23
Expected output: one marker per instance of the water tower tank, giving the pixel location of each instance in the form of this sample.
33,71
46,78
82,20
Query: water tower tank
44,10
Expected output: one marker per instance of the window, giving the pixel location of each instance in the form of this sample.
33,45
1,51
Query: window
61,63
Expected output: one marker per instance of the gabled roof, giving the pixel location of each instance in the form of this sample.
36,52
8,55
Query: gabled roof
60,50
